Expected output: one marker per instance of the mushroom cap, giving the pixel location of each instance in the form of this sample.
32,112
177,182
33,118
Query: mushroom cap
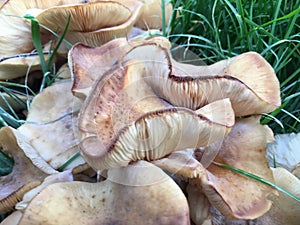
195,86
285,151
53,111
284,210
151,16
149,196
89,64
65,176
15,33
25,175
103,20
234,195
125,119
17,67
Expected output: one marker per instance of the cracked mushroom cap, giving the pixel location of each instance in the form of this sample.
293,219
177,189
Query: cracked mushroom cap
234,195
140,193
25,174
123,120
51,126
151,17
254,89
103,20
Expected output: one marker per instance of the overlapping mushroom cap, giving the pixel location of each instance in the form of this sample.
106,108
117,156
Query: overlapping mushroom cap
234,195
148,106
135,106
125,118
43,145
140,192
103,21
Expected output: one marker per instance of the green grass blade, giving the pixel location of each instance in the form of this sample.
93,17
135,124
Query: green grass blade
58,44
259,179
36,40
68,162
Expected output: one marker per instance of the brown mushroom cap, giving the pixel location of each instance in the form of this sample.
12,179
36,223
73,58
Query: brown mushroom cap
15,33
151,196
89,64
65,176
25,175
196,86
123,117
103,20
234,195
52,128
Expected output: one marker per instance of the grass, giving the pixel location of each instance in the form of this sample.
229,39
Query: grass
213,30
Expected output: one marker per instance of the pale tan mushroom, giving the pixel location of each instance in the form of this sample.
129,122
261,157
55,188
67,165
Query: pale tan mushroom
89,64
151,17
65,176
234,195
103,20
51,126
284,210
243,148
25,175
16,39
252,90
15,67
141,192
123,120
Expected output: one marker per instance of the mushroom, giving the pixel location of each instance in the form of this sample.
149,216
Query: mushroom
65,176
243,148
122,120
252,90
115,20
151,16
16,44
235,196
284,210
121,197
16,66
103,20
82,60
25,175
53,111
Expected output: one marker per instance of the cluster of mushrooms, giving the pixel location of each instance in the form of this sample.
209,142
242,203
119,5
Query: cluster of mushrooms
151,131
